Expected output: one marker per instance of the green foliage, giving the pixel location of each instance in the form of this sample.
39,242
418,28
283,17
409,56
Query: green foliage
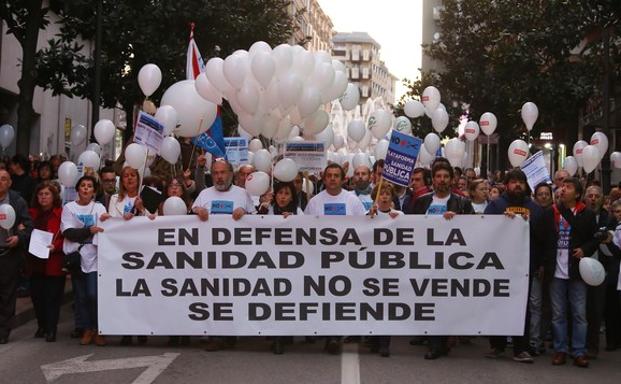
497,55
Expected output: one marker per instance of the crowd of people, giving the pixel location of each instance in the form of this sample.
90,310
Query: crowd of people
569,219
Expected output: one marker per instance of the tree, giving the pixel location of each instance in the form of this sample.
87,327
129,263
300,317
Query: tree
25,18
137,32
497,59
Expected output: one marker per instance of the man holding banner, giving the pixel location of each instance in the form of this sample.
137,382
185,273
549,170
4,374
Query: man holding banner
334,201
441,202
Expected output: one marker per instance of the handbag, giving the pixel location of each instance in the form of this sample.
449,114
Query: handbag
72,260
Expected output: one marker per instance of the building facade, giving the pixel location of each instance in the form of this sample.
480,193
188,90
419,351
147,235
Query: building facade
361,55
55,116
313,26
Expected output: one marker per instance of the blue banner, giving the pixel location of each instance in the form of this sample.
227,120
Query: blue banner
401,158
212,140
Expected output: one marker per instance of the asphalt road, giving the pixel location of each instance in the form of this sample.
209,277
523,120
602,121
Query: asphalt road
29,360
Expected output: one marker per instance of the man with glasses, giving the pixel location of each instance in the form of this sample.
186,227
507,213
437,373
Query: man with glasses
108,185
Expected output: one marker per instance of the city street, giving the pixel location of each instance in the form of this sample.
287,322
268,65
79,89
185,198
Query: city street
29,360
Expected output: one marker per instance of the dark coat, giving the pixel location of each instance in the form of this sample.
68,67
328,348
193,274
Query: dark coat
456,203
583,227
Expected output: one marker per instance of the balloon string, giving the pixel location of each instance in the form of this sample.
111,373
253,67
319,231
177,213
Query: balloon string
194,145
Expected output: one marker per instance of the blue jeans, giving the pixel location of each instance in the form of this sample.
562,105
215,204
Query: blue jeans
79,301
575,292
87,287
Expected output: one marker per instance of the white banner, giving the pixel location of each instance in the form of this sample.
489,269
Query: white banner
305,275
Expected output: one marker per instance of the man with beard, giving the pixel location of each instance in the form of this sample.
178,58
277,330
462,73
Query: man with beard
516,201
572,226
362,186
223,197
440,202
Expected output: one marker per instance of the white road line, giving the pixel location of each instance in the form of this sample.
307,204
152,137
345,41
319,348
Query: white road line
350,364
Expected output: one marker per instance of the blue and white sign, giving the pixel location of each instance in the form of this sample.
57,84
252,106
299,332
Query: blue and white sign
149,132
536,171
401,158
236,150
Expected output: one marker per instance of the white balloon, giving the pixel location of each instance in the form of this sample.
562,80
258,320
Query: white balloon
289,89
235,68
577,151
316,122
7,216
286,170
356,130
174,206
68,174
170,149
570,165
283,56
89,159
303,63
95,148
149,78
432,143
439,120
309,101
380,122
518,152
337,89
207,90
600,140
455,149
413,108
323,76
136,155
167,116
195,114
248,97
257,183
591,271
214,69
326,137
431,98
590,158
351,97
104,131
78,135
529,112
471,131
424,157
488,123
338,142
263,68
7,134
615,160
403,125
381,149
255,145
361,158
259,47
263,160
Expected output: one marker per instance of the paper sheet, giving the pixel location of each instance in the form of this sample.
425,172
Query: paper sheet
39,242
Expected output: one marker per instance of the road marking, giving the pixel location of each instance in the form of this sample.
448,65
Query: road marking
155,366
350,364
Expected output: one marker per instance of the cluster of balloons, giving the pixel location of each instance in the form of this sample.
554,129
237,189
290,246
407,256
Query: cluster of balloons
588,155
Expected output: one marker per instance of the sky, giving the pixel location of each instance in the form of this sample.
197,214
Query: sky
395,24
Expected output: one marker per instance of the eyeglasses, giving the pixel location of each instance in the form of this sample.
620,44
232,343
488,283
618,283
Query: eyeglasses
108,180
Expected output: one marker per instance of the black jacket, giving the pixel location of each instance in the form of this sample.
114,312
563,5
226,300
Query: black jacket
21,217
583,227
455,204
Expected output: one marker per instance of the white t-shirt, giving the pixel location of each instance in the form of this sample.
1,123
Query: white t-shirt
387,214
366,200
562,250
479,207
79,216
226,202
438,205
117,208
343,204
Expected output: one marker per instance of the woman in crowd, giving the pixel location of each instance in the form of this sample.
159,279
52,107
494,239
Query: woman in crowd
177,187
479,194
127,204
78,226
285,203
47,279
495,191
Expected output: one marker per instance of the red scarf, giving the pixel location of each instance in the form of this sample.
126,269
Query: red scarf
580,206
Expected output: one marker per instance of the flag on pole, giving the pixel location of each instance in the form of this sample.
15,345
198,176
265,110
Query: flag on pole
195,64
211,141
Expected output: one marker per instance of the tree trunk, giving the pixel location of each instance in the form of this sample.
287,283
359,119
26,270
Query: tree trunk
27,83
